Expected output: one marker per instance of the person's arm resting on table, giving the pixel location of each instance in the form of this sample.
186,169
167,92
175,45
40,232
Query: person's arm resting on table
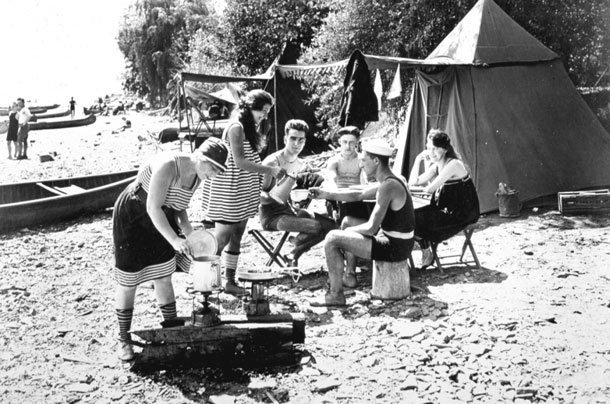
453,168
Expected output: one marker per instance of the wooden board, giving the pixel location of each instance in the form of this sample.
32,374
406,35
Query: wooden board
239,341
584,202
71,189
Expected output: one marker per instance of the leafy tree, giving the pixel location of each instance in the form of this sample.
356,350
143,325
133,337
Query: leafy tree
577,30
154,37
257,31
206,51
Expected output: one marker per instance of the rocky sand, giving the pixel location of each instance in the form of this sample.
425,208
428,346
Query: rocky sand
530,326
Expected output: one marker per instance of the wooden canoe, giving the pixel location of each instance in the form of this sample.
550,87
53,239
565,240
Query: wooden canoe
33,203
33,110
68,123
36,117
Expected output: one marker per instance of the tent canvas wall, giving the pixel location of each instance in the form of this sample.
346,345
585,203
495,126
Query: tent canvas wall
283,82
511,110
289,101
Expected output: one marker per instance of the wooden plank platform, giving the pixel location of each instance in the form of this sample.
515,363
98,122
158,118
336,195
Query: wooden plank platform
239,341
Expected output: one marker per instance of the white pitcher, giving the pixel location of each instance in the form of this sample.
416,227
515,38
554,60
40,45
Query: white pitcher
205,271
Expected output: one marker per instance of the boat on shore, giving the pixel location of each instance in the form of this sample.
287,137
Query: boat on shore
33,110
68,123
34,203
95,110
36,117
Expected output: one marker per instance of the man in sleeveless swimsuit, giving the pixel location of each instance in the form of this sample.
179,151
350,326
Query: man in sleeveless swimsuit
344,170
274,212
388,233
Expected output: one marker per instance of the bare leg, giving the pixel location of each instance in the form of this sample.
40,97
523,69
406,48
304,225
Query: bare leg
124,297
336,242
349,279
164,290
229,235
17,149
311,230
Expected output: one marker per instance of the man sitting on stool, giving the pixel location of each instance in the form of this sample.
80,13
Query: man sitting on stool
276,214
393,214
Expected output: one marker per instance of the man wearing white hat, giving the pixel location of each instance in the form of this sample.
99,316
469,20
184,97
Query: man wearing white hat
386,236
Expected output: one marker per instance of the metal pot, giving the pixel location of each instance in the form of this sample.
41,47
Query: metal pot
205,271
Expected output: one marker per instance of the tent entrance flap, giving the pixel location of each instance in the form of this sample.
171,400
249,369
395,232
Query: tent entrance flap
522,123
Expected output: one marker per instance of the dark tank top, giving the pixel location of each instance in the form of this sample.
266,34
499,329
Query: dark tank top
402,220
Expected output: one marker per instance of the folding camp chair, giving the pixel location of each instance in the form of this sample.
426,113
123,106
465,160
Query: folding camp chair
194,136
304,181
451,259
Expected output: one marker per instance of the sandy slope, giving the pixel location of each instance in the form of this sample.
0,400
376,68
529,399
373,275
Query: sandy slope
531,326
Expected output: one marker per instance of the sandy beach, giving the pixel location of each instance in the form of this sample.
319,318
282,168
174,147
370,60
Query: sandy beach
530,326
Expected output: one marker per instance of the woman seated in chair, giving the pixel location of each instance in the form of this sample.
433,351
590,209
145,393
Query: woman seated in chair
454,203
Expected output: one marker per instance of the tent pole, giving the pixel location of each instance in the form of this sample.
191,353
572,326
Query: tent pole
179,114
277,145
186,114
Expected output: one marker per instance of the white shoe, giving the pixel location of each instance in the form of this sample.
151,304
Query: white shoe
126,351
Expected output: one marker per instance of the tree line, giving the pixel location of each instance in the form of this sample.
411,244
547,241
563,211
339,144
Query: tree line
243,37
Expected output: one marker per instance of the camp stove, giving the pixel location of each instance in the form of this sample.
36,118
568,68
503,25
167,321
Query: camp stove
204,314
258,302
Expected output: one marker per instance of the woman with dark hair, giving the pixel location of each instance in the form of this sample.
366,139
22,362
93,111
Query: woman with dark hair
231,198
454,203
148,219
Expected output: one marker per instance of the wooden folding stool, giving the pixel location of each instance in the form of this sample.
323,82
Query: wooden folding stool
467,232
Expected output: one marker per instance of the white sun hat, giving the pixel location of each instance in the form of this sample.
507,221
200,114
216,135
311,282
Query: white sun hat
377,146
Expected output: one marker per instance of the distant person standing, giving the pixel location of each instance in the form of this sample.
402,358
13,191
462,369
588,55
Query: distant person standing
23,117
72,107
13,128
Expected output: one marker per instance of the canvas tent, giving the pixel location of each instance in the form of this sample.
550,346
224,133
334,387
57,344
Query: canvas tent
511,110
287,92
283,82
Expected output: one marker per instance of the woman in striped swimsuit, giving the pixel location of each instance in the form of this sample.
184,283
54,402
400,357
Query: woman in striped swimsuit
147,220
232,198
